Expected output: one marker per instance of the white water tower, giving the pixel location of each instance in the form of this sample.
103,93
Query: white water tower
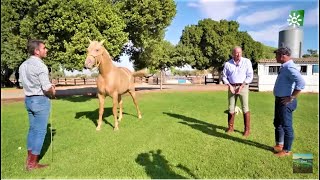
292,37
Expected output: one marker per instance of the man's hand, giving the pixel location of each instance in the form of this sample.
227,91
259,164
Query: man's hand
51,93
231,89
287,100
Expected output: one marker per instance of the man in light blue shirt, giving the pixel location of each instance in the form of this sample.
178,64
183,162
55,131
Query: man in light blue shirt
237,74
288,85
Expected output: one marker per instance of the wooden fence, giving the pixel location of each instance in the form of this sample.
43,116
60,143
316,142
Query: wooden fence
74,81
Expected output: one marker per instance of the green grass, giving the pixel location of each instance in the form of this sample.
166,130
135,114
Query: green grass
181,135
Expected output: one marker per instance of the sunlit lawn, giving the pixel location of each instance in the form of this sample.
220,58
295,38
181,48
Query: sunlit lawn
181,135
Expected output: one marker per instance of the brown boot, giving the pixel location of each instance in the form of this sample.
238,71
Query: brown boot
230,123
246,117
28,158
33,163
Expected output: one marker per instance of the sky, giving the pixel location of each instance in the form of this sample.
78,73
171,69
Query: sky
262,19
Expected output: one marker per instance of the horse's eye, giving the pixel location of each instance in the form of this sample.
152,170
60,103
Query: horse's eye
97,50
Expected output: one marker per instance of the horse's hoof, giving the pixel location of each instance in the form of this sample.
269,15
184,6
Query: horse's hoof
98,129
116,129
139,116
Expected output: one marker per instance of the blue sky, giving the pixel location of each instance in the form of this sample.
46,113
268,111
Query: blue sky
262,19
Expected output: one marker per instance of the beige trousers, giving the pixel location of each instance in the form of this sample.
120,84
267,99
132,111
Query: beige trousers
243,96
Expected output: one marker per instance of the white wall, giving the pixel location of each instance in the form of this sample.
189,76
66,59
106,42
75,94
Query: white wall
266,82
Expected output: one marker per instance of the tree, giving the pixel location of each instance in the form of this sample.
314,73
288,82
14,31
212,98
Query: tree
311,53
159,56
210,43
146,21
64,25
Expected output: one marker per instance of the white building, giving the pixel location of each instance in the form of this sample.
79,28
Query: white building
268,70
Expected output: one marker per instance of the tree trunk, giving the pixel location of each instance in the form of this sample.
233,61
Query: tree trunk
161,79
220,77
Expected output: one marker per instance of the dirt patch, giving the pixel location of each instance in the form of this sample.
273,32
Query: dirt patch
140,88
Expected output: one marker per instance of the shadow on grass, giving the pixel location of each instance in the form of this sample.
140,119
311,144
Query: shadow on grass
157,167
47,141
94,116
76,98
211,129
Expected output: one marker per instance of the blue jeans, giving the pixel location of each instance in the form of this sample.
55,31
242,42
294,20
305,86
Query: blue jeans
283,123
38,108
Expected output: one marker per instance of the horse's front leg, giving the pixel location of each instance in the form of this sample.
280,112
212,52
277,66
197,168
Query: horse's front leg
120,107
115,111
101,109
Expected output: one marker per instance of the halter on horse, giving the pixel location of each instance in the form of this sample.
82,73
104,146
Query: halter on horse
112,81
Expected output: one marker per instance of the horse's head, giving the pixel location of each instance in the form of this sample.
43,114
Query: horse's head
94,50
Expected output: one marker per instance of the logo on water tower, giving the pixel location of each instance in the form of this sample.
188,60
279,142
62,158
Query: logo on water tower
296,18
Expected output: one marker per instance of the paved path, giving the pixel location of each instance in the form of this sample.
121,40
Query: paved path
17,94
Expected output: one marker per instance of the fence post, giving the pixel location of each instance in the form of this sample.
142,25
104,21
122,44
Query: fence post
84,81
75,81
65,81
205,80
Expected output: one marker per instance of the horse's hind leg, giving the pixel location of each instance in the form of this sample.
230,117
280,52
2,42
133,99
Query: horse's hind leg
115,111
120,107
133,95
101,109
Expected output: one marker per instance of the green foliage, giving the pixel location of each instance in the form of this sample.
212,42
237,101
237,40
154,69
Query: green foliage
57,74
146,21
64,25
158,55
94,75
268,52
210,43
311,53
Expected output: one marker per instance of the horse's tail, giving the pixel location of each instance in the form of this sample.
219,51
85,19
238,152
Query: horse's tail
140,73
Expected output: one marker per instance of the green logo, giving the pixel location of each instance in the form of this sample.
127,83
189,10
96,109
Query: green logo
296,18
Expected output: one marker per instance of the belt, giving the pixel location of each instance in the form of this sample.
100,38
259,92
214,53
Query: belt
277,97
236,84
35,95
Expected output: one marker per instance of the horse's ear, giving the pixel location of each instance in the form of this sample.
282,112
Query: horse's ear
89,40
101,42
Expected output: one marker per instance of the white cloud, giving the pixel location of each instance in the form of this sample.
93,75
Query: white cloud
192,4
268,36
311,17
218,10
262,17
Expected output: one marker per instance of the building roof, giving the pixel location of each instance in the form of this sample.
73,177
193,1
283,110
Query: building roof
314,60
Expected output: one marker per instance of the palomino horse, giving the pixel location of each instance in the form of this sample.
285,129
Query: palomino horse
112,81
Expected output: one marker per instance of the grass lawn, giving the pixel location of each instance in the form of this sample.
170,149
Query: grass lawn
181,135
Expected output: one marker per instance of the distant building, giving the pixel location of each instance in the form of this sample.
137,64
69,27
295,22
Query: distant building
268,70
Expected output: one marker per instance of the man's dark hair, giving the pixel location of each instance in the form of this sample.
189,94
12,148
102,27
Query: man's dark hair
283,51
33,44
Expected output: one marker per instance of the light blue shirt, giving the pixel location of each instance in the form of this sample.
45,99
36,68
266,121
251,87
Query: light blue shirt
289,79
34,76
243,72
